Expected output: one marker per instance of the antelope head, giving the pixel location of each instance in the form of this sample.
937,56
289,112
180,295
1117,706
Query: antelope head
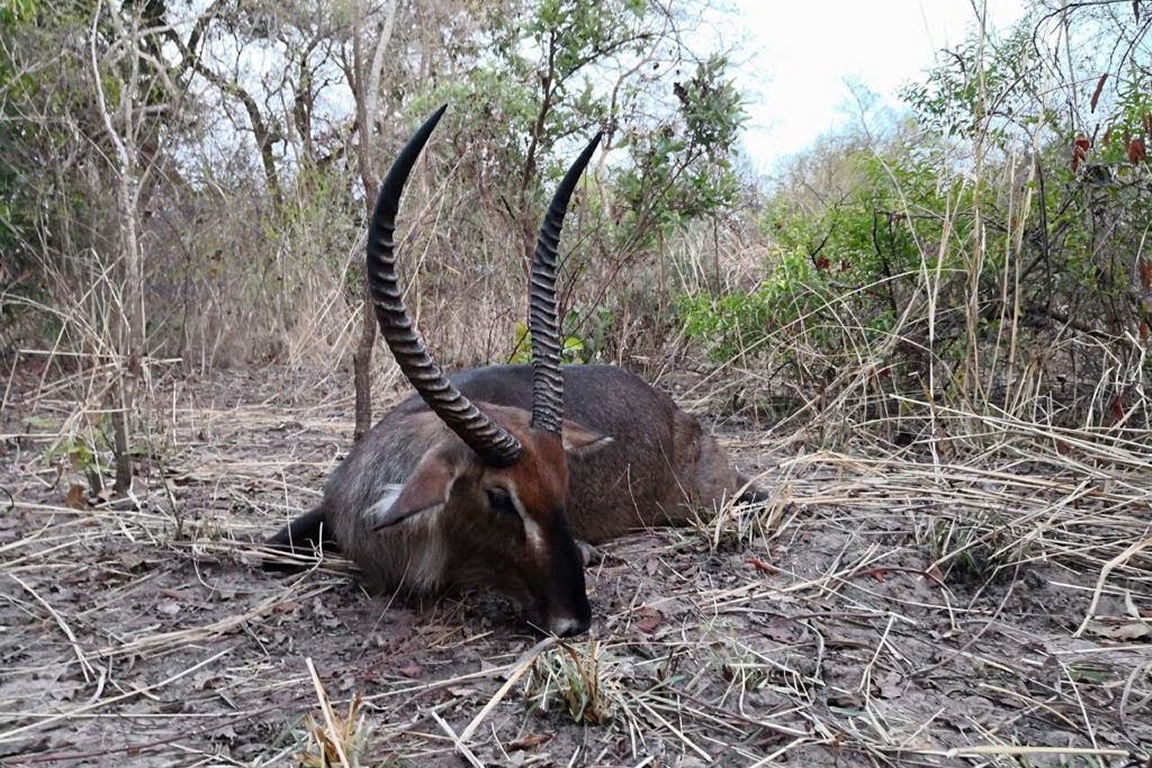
499,485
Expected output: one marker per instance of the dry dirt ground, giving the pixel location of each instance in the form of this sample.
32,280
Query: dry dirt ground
882,610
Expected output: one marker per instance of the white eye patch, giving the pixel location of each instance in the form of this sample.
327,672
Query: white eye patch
534,535
532,531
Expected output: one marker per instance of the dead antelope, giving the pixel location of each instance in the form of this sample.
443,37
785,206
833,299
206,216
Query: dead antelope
481,480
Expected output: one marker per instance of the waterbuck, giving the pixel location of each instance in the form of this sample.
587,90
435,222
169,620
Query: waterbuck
481,480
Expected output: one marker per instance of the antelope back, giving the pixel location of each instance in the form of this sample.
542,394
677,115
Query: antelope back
659,468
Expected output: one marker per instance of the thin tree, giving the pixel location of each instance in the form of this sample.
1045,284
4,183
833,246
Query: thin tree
364,78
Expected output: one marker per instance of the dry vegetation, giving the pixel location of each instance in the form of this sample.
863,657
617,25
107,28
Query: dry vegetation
888,607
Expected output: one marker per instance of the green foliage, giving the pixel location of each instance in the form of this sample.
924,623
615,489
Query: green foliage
548,77
579,678
574,348
16,11
983,88
849,254
87,451
995,230
1130,119
541,90
532,84
599,323
731,325
976,549
575,33
35,130
571,346
681,168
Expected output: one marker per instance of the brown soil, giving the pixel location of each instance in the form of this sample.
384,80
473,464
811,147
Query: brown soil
820,630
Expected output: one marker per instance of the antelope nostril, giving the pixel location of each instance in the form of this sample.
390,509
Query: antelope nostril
567,626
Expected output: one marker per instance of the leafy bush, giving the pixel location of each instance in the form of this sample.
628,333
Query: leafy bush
992,250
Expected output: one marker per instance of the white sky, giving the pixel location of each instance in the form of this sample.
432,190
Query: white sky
800,56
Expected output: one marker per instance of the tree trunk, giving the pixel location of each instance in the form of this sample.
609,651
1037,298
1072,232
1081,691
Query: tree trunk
365,88
129,340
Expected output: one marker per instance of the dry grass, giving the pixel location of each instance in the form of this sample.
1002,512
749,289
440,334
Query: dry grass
882,609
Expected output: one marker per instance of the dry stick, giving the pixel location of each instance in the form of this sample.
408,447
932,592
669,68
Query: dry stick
1080,704
1122,707
774,756
518,670
866,676
679,733
326,708
1029,701
992,750
749,721
217,628
419,690
122,697
1121,558
458,742
85,667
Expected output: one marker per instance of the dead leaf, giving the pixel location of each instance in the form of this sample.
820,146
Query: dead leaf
327,619
849,701
530,741
761,566
1144,268
461,693
1137,151
1120,630
75,498
784,631
650,619
1096,93
168,608
1080,147
135,562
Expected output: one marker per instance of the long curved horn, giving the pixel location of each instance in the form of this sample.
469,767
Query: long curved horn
547,379
492,443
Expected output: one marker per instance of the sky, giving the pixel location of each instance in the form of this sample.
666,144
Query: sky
798,59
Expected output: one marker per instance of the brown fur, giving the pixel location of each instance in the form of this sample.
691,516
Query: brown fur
633,460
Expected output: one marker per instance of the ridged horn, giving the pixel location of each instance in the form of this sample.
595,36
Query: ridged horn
543,322
494,444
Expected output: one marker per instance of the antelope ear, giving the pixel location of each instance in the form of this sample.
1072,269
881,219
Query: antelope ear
581,441
427,487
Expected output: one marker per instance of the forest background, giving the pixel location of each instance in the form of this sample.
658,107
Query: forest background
927,336
184,186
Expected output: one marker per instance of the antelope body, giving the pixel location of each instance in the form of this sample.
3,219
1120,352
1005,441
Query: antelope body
490,478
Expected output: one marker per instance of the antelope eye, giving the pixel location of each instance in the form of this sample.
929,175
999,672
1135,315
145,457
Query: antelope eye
501,502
